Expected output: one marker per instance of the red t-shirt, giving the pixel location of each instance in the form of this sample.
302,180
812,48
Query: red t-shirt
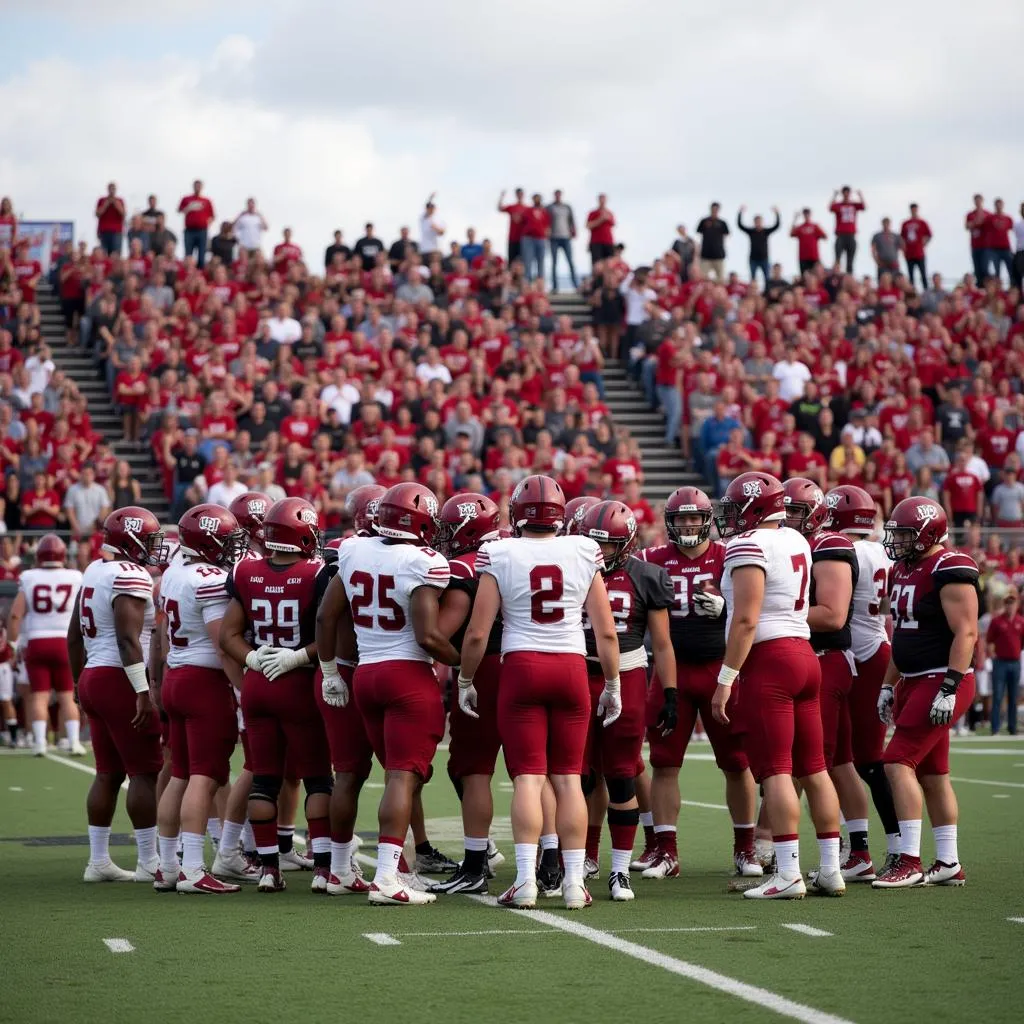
24,271
797,464
218,426
977,224
995,445
621,470
299,428
1005,633
285,254
536,222
124,389
642,513
915,232
808,235
963,489
198,212
40,520
602,234
516,213
111,220
846,215
998,228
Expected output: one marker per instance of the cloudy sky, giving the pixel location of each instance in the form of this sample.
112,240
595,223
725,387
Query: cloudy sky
332,113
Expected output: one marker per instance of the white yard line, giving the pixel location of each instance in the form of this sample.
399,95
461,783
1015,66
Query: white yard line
806,929
548,931
77,765
1000,796
16,789
1016,920
707,807
381,938
119,945
987,782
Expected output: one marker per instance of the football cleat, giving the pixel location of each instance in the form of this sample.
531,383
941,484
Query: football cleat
77,750
665,866
941,873
413,880
764,853
319,881
591,869
778,888
271,880
460,881
747,865
433,862
549,880
619,888
858,867
108,871
165,882
234,866
844,847
519,897
347,885
200,882
576,895
295,861
646,859
906,873
146,872
39,749
391,892
495,858
828,883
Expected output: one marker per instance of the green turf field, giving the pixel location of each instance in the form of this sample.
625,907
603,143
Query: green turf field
686,949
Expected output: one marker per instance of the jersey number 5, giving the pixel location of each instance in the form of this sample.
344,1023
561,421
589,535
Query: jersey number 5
547,584
85,617
386,612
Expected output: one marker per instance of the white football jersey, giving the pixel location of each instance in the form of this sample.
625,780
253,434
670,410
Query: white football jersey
867,626
379,580
191,595
102,583
785,557
49,601
544,585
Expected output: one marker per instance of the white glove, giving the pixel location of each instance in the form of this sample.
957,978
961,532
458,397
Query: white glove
276,661
333,687
708,605
609,705
886,699
942,708
467,696
254,659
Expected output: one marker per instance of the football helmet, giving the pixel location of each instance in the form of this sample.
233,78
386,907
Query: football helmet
51,552
133,533
467,521
250,509
688,501
611,523
749,500
576,510
851,509
211,534
408,512
806,511
914,526
292,527
537,503
361,506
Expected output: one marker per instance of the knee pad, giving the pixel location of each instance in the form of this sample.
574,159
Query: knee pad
588,782
318,784
456,781
265,788
621,791
871,772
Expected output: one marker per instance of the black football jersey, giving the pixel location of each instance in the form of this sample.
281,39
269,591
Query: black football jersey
466,578
834,547
634,589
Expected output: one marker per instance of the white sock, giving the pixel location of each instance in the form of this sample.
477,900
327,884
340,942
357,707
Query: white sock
787,857
945,844
214,829
322,844
388,855
99,844
664,828
341,859
248,839
476,844
145,842
39,732
857,825
549,842
572,860
828,850
646,819
910,838
620,861
169,855
192,857
73,728
230,836
526,863
892,842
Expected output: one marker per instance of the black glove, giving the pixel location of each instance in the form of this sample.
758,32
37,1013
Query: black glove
668,716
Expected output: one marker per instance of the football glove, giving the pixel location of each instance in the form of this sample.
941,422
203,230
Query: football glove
333,688
886,700
708,605
945,700
467,696
609,705
668,716
253,660
276,661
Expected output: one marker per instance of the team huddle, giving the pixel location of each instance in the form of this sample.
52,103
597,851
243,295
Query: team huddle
535,643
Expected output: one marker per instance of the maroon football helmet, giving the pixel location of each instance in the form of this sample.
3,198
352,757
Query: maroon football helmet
133,533
688,501
611,523
408,512
51,552
576,510
914,526
538,503
806,510
361,506
250,509
467,521
292,527
751,499
851,509
211,534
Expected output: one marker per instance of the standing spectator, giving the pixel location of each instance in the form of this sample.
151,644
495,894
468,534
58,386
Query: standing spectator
432,228
223,244
151,213
1018,257
713,231
402,249
160,237
885,249
286,252
228,488
86,503
1007,501
976,223
249,227
671,358
110,215
963,494
198,211
536,231
638,297
758,236
336,247
516,212
714,433
807,234
1000,251
845,210
915,234
122,488
600,222
367,248
686,249
1003,638
8,224
925,452
563,231
791,375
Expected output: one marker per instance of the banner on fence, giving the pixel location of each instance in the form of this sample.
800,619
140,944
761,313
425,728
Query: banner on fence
45,239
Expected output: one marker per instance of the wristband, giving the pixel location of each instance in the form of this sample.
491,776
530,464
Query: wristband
951,680
301,657
465,682
344,663
613,684
328,668
252,661
670,695
727,676
137,677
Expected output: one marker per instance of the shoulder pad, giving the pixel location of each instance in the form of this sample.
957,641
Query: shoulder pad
954,560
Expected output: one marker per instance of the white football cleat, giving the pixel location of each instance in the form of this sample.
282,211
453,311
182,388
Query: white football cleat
576,895
858,867
63,744
392,892
235,867
348,885
778,888
108,871
165,881
295,861
200,882
519,897
941,873
591,869
412,880
77,750
146,872
271,880
40,749
495,858
619,888
319,882
747,866
664,866
646,859
828,883
764,852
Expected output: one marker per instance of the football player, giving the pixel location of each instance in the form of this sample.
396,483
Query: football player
385,597
541,583
575,510
852,512
276,598
110,629
197,694
835,572
934,597
640,595
44,604
697,624
766,582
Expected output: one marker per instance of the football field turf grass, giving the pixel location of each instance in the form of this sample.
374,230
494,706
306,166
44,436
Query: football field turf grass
685,949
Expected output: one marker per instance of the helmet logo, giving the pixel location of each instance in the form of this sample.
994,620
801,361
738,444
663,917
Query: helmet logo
133,524
257,507
832,500
431,503
752,489
468,510
209,523
926,513
309,517
372,506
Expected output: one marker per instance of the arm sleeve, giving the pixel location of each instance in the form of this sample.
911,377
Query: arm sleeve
133,581
955,567
432,570
744,550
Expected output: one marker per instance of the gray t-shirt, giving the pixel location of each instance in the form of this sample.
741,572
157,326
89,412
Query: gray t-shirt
701,407
87,502
413,293
1008,502
935,458
887,245
561,220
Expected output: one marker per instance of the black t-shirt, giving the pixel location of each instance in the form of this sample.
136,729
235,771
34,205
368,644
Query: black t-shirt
953,420
258,432
368,249
401,249
224,248
303,349
712,231
276,411
332,250
188,467
634,589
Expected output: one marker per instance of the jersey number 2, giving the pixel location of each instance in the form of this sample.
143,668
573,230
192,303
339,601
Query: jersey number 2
173,613
547,584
